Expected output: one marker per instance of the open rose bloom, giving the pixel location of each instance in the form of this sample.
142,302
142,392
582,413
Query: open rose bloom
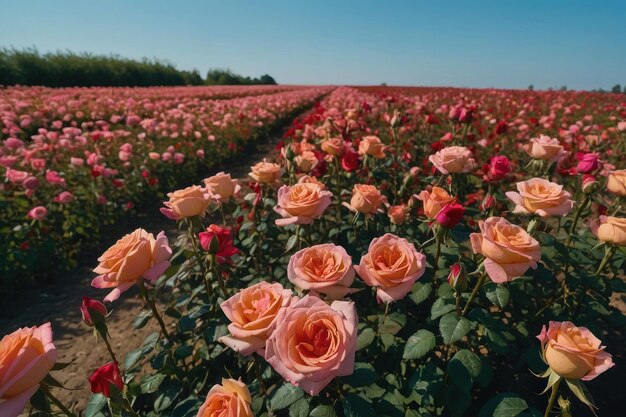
231,399
453,160
508,249
393,265
372,146
616,182
301,203
265,172
573,352
136,256
541,197
221,187
326,269
313,342
545,148
189,202
434,201
26,357
252,313
366,199
610,229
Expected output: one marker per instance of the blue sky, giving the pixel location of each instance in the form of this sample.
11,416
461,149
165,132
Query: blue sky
480,43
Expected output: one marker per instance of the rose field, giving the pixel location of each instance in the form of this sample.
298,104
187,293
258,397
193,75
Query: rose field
312,251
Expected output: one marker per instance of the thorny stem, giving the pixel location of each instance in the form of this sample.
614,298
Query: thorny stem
155,312
579,211
555,389
474,293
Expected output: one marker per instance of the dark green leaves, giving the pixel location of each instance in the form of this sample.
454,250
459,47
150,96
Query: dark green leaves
419,344
453,327
506,404
285,396
497,294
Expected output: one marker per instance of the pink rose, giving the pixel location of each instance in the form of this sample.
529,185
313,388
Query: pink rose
15,176
573,352
545,148
64,198
453,160
231,399
393,265
587,162
313,342
326,269
301,203
26,357
252,312
541,197
38,213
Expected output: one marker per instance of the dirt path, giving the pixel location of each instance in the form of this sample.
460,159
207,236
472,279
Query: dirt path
59,302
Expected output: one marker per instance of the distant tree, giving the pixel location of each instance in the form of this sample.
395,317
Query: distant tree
227,77
531,87
383,84
563,88
616,89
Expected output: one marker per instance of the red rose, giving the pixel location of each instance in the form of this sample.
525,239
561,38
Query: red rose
105,376
224,238
89,306
587,162
450,215
349,159
499,168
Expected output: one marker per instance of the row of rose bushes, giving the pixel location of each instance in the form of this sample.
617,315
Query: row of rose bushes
74,160
401,258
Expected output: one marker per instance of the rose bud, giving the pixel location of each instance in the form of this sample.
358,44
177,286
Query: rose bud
398,214
488,203
587,162
93,311
499,168
590,184
104,377
219,241
457,278
450,215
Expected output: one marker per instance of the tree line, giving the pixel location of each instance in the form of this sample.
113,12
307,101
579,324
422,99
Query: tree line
69,69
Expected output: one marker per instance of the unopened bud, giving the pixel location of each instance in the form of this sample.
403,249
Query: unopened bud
590,184
457,278
488,203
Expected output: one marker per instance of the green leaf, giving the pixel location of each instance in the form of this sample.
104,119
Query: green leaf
419,344
151,383
95,404
323,411
464,369
441,307
142,319
186,408
39,401
356,406
364,374
498,295
453,327
285,396
291,243
300,408
132,358
183,352
365,338
580,391
506,404
420,292
169,392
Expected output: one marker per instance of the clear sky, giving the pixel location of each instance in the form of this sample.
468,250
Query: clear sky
480,43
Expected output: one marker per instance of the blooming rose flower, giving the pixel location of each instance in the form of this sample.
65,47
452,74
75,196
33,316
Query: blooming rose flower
221,187
224,238
306,161
189,202
311,179
450,215
105,376
15,176
398,214
64,198
499,168
87,306
610,229
301,203
573,352
453,160
541,197
326,269
349,159
265,172
313,342
366,199
252,312
333,146
155,156
134,256
393,265
508,249
616,182
587,162
231,399
26,357
545,148
434,201
38,213
371,145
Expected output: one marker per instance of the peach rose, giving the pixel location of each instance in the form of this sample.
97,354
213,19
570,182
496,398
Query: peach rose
453,160
221,187
326,269
366,199
306,161
265,172
542,197
434,201
333,146
393,265
252,312
313,342
573,352
134,256
301,203
616,182
508,249
545,148
189,202
311,179
371,145
610,229
231,399
398,214
26,357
